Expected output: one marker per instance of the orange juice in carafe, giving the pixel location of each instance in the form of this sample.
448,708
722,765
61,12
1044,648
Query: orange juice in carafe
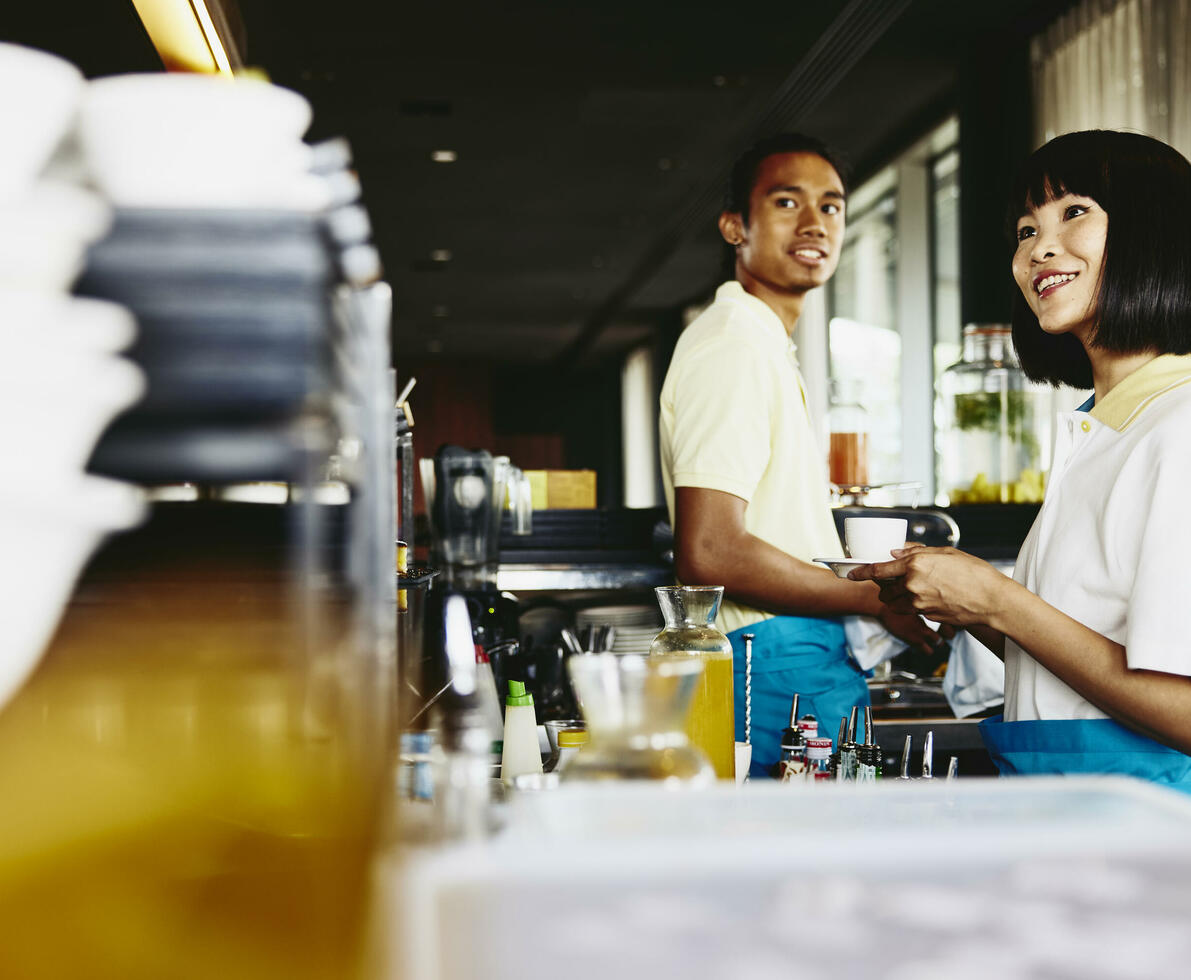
690,631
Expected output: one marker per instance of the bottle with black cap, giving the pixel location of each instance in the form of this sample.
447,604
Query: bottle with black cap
839,744
792,763
845,771
866,754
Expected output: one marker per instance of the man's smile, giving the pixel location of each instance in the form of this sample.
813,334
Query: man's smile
811,255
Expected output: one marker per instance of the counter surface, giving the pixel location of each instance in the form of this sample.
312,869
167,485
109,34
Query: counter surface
1022,878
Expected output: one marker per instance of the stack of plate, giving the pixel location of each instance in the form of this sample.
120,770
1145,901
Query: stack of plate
635,626
62,375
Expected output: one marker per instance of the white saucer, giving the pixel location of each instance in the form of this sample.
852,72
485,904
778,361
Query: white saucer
841,566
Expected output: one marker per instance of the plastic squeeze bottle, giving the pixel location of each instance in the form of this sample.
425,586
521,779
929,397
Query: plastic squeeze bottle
489,697
520,754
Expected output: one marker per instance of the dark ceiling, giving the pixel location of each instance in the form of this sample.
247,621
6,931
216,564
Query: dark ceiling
591,139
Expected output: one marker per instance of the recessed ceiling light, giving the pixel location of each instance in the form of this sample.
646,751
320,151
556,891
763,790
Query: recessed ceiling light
440,312
440,255
444,156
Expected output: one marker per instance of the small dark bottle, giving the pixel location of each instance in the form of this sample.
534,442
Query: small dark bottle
792,763
846,770
867,755
839,742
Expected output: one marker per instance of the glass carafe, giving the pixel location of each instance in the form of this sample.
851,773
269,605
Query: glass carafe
691,632
635,708
994,424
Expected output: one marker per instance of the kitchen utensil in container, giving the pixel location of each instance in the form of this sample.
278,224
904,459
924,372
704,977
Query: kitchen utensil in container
635,709
690,632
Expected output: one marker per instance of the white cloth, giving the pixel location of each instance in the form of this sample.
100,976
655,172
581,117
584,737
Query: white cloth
1109,543
975,676
733,417
869,642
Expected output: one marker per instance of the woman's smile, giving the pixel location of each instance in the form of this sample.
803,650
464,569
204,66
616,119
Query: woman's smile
1047,283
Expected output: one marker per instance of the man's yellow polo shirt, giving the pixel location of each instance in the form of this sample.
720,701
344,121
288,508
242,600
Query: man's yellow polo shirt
734,418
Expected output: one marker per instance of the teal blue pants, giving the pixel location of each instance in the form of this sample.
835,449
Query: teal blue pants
794,654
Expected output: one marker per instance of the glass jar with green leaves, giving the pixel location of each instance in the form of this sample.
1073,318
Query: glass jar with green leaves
993,424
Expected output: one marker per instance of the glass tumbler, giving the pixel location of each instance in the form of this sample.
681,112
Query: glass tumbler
635,708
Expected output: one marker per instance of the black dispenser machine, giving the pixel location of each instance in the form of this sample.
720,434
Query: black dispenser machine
465,500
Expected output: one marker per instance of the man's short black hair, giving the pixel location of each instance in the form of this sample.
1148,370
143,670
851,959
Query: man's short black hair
744,170
1144,297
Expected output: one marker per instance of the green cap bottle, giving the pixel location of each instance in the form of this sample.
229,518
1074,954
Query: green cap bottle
518,696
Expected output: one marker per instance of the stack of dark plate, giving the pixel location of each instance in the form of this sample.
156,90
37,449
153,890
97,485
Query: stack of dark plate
603,534
233,311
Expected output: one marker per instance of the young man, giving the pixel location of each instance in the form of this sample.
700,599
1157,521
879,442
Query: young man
745,481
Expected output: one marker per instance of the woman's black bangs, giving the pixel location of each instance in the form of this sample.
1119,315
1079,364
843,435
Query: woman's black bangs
1043,187
1068,165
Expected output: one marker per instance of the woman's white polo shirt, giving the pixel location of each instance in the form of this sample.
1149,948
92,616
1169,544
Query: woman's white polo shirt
1110,544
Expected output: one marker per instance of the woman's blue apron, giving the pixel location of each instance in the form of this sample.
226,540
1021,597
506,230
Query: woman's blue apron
1096,745
794,654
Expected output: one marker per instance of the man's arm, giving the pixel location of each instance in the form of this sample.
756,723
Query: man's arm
713,547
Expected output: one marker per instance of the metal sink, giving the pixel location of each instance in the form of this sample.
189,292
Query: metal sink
907,705
909,697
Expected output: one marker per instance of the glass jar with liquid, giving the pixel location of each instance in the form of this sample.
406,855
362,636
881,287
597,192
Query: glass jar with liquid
994,424
848,422
690,631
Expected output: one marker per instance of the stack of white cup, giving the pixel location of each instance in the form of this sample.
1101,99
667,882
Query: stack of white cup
61,379
182,141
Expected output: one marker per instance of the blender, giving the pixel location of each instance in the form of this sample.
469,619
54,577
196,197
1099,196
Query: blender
465,494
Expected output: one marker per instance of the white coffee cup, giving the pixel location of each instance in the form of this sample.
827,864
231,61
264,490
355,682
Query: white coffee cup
874,538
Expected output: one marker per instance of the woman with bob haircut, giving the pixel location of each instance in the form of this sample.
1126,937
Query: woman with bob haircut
1094,625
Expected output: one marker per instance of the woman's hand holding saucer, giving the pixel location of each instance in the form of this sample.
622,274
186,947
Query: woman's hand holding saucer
943,584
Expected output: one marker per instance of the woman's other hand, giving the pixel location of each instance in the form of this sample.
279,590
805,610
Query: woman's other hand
943,584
